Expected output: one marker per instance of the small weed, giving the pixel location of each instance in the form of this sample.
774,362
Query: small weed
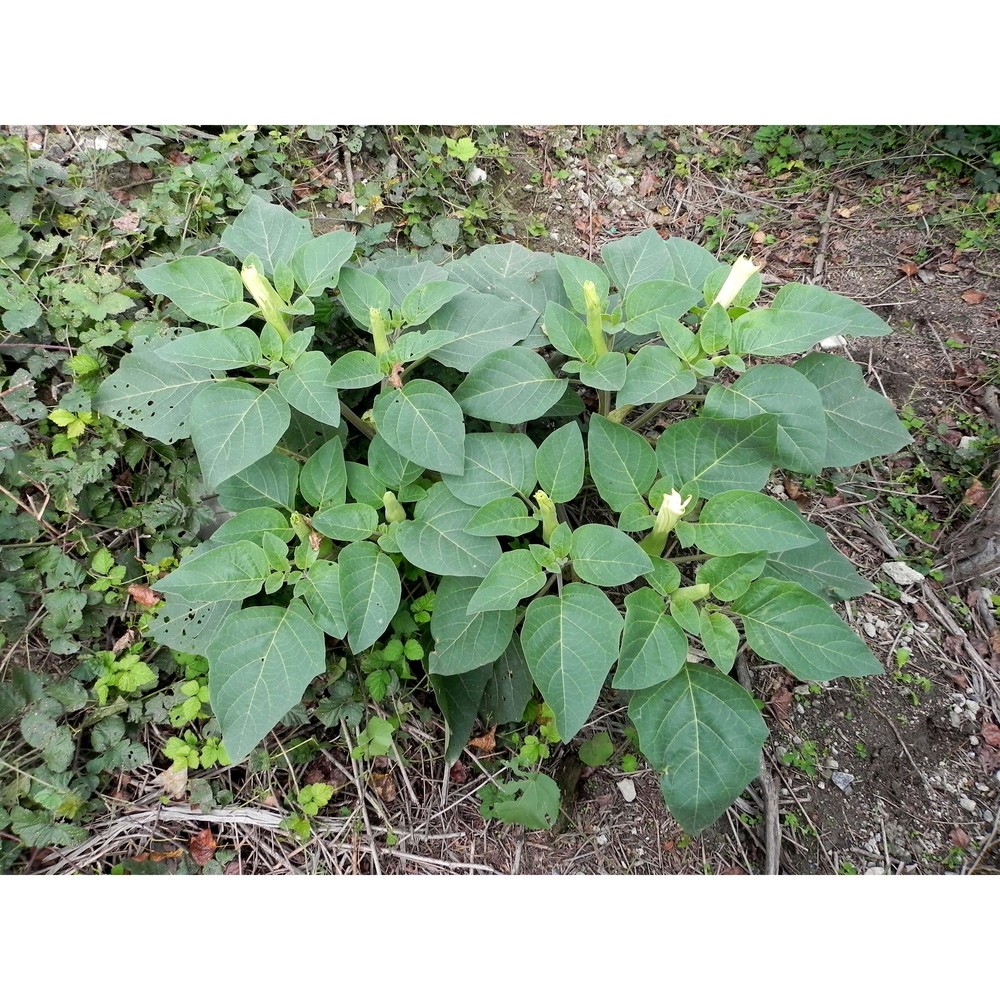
804,758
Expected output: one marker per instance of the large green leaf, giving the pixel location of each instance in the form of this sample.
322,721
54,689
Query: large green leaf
152,395
306,385
654,646
509,386
234,425
651,302
622,462
793,400
568,334
424,301
503,516
361,292
424,424
388,466
771,334
856,320
509,686
559,463
268,232
230,572
606,374
743,521
346,522
706,733
370,592
787,624
484,324
464,640
729,576
316,264
355,370
323,480
574,271
606,556
270,482
720,639
820,568
217,350
570,643
860,423
436,540
402,272
252,525
319,587
692,263
458,697
258,668
496,465
655,375
514,576
634,259
718,455
204,288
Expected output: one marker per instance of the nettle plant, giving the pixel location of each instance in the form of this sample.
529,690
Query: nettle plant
455,455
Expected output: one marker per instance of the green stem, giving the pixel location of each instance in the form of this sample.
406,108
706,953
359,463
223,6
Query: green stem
604,402
355,421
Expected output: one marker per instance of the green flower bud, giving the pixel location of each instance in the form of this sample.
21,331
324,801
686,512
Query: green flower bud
268,300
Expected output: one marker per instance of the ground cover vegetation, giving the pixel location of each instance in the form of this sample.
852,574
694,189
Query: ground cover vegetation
349,460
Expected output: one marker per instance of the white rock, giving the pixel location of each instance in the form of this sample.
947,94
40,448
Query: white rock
627,787
874,871
832,343
901,573
967,442
842,780
476,175
967,804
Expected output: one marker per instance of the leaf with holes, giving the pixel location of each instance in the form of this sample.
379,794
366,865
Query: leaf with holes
705,732
570,643
152,395
217,350
259,666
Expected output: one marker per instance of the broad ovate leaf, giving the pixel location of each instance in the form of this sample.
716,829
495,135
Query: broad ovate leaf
622,462
229,572
269,232
654,646
204,288
785,623
559,463
606,556
370,592
463,639
704,731
509,386
259,665
424,424
739,521
570,643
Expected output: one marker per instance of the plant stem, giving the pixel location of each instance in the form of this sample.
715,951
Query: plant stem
603,402
355,421
676,560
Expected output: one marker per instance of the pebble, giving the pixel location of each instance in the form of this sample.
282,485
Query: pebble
874,871
967,804
869,629
901,573
842,780
627,787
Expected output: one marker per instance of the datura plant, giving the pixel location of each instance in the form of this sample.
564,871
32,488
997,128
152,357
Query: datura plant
568,546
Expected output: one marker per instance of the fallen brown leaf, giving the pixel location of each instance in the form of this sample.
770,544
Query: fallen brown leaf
959,680
127,223
174,781
910,270
995,642
948,268
140,172
384,785
972,297
959,837
123,642
921,613
792,488
846,213
976,494
459,773
202,847
487,742
648,183
991,734
158,855
144,595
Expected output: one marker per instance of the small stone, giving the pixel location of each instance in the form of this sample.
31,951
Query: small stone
477,175
974,740
967,442
967,804
602,839
869,629
627,787
842,780
831,763
988,815
832,343
874,871
901,573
